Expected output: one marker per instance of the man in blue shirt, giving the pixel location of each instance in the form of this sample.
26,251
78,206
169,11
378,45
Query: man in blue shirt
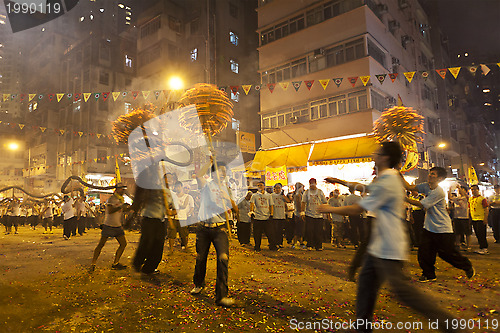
388,247
437,237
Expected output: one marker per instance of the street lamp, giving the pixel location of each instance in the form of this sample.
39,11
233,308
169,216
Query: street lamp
175,83
13,146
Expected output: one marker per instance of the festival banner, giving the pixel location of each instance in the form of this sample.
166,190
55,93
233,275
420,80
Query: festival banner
145,93
454,71
352,80
324,83
86,96
485,69
271,87
284,85
473,70
472,176
381,78
338,81
296,85
425,75
276,175
393,76
31,96
442,72
309,84
246,88
59,97
409,76
365,79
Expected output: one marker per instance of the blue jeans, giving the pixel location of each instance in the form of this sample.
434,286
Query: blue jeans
204,237
374,272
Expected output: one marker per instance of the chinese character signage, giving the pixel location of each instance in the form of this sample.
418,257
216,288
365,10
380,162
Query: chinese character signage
246,142
276,175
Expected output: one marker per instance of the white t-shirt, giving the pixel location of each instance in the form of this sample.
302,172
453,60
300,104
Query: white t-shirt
68,210
80,208
313,198
262,203
182,212
386,199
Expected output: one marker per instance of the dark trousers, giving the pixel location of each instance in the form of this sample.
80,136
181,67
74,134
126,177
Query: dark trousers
150,250
73,226
244,229
217,236
495,223
374,272
289,229
443,245
260,226
314,226
355,226
360,252
81,222
68,226
418,225
279,227
480,231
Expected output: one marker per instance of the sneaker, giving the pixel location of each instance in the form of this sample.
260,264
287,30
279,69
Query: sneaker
424,278
118,266
293,247
196,290
482,251
303,247
65,237
226,302
470,273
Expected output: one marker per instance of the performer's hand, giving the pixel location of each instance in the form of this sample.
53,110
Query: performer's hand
331,180
324,208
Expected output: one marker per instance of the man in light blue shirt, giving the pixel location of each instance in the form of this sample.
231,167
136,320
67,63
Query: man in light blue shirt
437,236
388,246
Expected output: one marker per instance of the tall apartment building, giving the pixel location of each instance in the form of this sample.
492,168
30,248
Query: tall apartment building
327,129
210,41
83,51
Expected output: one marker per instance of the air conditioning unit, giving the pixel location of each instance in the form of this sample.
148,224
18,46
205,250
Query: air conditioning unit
382,8
319,52
390,100
294,120
404,4
394,25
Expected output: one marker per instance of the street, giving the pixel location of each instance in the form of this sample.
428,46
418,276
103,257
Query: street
46,286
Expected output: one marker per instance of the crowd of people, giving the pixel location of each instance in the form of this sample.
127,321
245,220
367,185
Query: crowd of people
383,221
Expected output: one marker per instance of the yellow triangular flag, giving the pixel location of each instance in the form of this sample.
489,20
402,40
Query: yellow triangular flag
284,85
246,88
146,93
95,159
31,96
115,95
6,97
324,83
409,75
117,172
365,79
62,131
21,126
98,135
498,63
59,96
80,133
454,71
86,96
108,157
43,129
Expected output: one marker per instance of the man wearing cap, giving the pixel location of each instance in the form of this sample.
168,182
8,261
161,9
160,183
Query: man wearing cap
244,221
112,227
69,216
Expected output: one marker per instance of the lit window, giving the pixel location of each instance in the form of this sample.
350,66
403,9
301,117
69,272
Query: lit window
233,38
194,54
128,107
234,66
128,61
235,97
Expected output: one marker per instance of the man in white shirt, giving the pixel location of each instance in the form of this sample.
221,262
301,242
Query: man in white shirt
81,215
261,207
185,208
311,200
388,247
69,217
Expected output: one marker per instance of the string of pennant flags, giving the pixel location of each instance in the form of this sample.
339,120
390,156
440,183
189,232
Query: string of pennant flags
381,78
116,156
60,132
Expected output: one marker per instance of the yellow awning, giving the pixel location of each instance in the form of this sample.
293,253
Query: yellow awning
292,157
344,151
